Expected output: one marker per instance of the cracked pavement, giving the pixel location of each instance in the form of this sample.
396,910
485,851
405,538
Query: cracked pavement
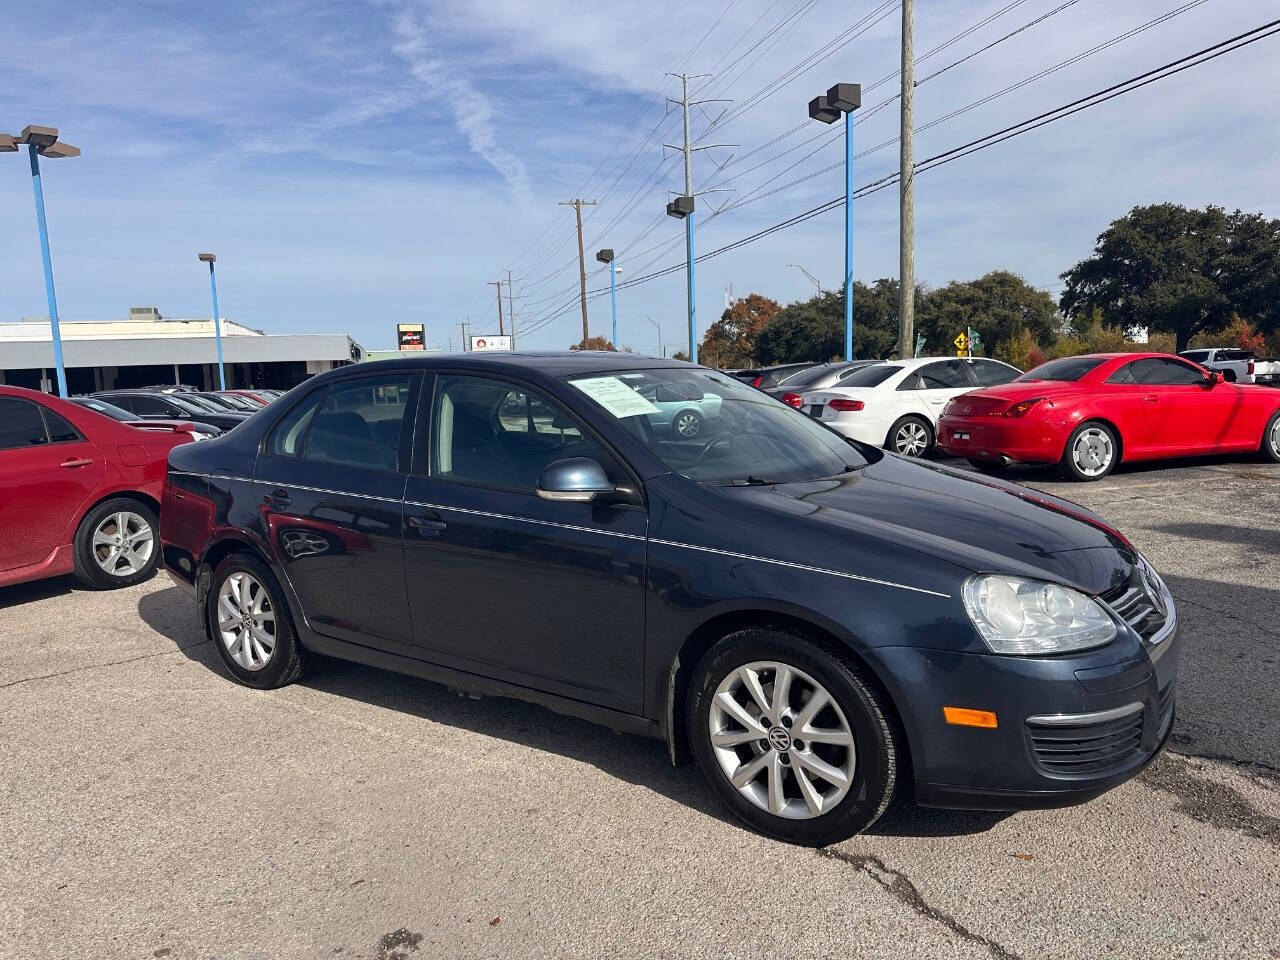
151,808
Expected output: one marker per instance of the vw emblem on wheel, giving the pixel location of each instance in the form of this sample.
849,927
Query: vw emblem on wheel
779,739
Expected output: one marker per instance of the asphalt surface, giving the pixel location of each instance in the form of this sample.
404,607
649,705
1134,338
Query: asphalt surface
152,808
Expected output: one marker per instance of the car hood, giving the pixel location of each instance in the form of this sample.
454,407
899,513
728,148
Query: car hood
975,522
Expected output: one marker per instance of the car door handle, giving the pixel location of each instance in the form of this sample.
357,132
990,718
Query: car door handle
1150,399
431,526
278,498
75,462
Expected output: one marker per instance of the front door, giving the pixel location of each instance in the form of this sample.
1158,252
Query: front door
330,490
1183,414
503,583
47,473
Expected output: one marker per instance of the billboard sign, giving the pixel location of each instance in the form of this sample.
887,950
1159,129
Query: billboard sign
411,336
490,343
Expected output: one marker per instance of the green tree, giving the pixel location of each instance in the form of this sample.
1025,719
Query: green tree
813,329
729,342
999,306
592,343
1180,271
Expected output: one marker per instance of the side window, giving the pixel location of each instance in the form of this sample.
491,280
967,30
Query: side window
911,381
1160,371
288,435
989,373
60,429
495,434
944,375
1124,374
124,403
20,424
359,422
145,406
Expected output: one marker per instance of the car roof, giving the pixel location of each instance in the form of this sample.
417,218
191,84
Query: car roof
561,363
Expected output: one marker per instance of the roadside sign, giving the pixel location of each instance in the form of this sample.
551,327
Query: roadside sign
490,343
962,343
411,336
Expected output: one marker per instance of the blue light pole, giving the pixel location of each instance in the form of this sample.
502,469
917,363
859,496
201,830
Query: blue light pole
843,98
605,256
209,258
693,306
43,142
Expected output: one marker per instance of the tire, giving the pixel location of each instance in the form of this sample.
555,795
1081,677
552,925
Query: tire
831,812
1270,448
117,544
687,424
907,434
986,466
284,657
1084,465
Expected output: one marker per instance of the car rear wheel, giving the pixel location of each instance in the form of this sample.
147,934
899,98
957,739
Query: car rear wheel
795,740
116,544
1091,453
911,436
1271,438
249,623
687,424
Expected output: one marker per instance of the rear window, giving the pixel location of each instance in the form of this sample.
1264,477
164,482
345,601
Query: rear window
1066,369
1196,356
870,376
811,376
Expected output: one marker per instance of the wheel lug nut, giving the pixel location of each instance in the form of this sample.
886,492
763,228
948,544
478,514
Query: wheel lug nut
764,744
786,721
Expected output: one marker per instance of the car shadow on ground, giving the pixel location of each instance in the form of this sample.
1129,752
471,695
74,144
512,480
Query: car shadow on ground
22,593
632,759
1048,473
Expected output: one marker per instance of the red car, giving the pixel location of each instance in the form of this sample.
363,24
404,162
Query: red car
79,492
1089,413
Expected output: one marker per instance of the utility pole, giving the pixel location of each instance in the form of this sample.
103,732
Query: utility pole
907,192
511,310
682,206
577,205
498,284
465,341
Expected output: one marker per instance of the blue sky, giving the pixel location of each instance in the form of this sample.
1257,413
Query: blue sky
355,164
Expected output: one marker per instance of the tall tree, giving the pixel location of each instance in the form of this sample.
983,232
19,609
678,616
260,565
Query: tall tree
813,329
730,341
999,306
1180,271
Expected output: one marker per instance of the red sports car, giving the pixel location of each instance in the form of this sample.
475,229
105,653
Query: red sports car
1088,413
79,492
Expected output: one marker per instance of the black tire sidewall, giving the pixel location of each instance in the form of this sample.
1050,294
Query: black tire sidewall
284,666
1269,447
876,772
986,466
931,438
86,565
1067,465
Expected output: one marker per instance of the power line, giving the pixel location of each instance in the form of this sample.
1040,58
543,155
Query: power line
1094,99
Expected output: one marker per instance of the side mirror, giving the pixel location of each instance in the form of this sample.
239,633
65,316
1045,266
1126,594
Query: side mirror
1213,379
574,479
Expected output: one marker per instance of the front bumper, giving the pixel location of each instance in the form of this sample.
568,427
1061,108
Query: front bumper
994,438
1069,728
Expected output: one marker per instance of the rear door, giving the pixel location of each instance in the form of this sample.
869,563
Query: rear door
48,471
329,485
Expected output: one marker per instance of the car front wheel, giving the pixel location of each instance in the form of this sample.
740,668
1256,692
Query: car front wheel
793,738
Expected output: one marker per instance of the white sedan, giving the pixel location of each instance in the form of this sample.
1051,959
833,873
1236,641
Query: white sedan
897,404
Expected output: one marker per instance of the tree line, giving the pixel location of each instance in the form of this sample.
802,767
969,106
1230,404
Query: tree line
1181,277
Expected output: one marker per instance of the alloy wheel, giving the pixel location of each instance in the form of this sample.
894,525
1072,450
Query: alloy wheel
1092,452
1275,437
123,544
246,620
911,439
782,740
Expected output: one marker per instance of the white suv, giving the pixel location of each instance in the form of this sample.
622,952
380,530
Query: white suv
897,404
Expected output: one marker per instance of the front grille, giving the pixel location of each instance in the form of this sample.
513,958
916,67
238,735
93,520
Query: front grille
1084,744
1133,603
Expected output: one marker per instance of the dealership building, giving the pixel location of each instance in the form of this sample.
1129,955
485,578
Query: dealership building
148,349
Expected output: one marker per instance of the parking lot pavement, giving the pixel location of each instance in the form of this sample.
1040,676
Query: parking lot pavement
152,808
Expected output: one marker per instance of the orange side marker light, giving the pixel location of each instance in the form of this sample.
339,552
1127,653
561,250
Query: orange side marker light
964,717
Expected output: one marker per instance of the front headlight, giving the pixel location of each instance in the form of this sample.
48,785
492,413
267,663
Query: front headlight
1014,615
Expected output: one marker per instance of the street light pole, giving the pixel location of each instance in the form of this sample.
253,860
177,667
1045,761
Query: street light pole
661,349
812,279
43,141
606,257
843,98
209,258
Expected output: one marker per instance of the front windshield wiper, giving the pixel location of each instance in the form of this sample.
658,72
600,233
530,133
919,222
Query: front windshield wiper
750,481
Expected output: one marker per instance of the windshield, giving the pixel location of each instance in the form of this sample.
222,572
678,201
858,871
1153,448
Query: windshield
1067,369
200,403
714,429
108,409
213,401
238,403
871,376
185,404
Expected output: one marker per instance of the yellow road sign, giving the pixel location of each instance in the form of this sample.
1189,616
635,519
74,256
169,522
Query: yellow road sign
962,343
